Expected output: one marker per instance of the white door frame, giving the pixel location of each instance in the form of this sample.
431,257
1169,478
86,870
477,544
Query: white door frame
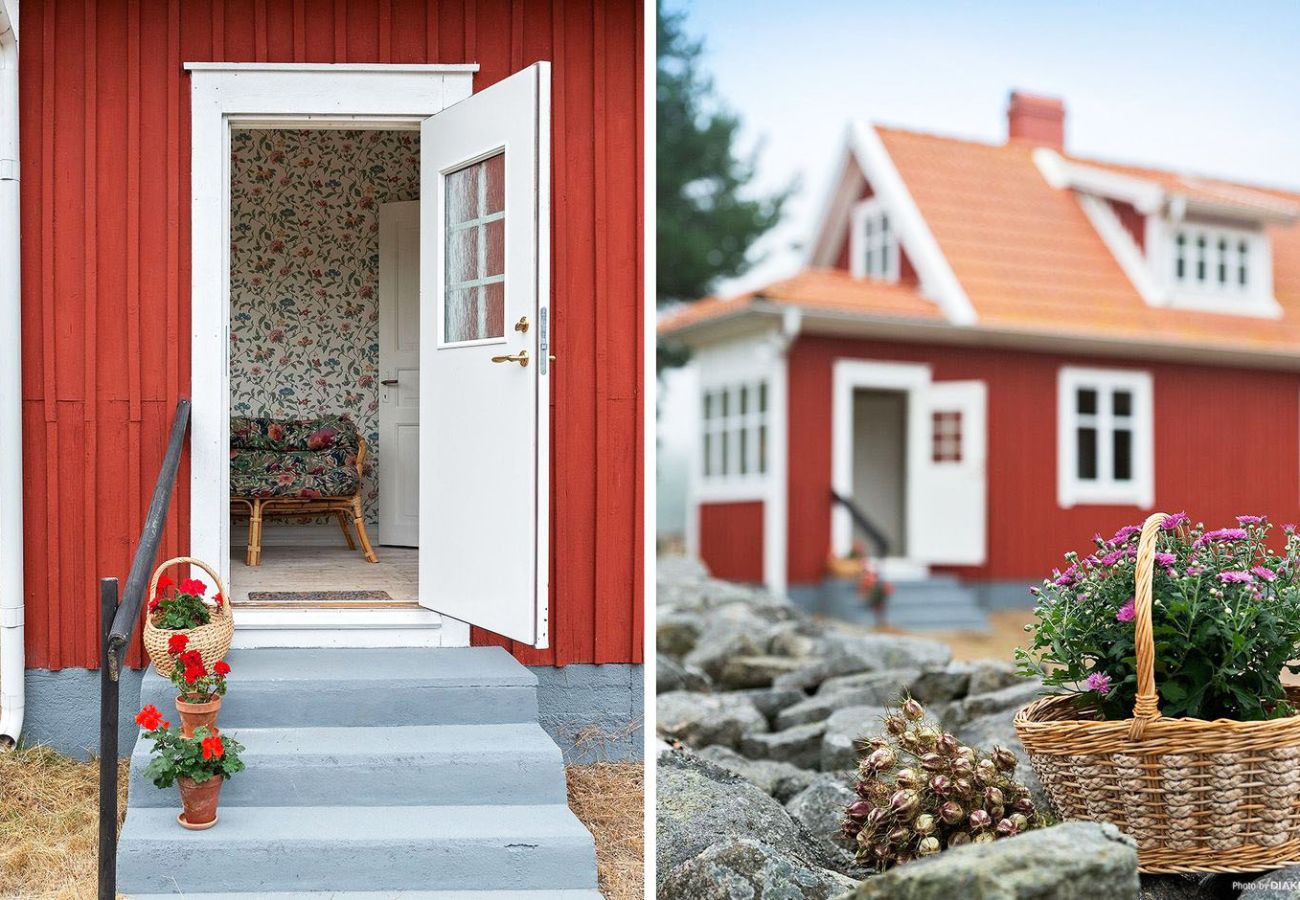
265,95
848,375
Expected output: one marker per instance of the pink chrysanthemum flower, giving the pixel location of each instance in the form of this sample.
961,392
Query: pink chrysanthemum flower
1127,612
1251,520
1236,577
1174,520
1263,572
1222,535
1165,560
1099,682
1125,534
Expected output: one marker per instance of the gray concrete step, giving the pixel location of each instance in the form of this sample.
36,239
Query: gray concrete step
285,688
350,848
413,765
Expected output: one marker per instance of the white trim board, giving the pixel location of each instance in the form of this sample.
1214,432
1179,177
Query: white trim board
1140,489
222,93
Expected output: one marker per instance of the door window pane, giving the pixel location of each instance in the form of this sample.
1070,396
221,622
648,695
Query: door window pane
474,277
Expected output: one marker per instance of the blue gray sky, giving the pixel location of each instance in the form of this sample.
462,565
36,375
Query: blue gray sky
1203,87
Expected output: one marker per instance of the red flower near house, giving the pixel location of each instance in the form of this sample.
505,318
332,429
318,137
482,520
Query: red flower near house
153,604
164,582
193,586
212,747
176,643
194,673
149,718
191,658
221,668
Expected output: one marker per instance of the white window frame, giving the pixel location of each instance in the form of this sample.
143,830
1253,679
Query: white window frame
1105,490
1255,298
719,470
872,211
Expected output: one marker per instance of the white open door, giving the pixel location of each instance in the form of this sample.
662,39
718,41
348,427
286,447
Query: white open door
484,374
947,474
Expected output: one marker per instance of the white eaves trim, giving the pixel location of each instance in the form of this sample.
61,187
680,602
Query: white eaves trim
938,281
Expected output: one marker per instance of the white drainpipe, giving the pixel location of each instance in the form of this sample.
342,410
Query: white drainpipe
11,466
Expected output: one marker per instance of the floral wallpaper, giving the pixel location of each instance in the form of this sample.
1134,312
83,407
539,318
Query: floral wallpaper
304,273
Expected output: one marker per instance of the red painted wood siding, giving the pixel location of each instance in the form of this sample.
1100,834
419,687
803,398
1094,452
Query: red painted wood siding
731,540
1227,442
106,273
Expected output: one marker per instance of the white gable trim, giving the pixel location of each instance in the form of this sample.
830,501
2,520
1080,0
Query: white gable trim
938,281
1125,250
836,207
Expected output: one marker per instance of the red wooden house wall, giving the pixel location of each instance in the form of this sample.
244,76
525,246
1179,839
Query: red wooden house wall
1227,442
106,273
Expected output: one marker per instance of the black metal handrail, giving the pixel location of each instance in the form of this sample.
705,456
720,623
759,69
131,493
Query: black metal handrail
118,620
865,525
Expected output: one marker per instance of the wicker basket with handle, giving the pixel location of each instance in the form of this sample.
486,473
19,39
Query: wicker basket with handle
211,640
1198,796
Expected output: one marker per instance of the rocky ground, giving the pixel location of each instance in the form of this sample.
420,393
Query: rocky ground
758,705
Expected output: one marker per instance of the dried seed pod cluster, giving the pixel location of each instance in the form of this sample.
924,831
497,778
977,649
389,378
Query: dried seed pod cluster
921,791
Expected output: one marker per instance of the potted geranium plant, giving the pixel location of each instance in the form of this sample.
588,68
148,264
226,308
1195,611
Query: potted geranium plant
197,765
1167,644
198,690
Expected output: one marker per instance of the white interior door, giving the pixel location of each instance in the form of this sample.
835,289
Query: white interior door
948,474
399,373
484,374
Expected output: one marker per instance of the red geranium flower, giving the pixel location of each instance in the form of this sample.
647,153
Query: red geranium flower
153,604
149,718
194,673
213,748
163,583
221,668
176,643
193,586
191,658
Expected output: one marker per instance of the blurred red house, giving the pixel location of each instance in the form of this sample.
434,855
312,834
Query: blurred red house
994,352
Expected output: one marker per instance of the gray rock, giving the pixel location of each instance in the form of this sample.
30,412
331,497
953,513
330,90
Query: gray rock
887,688
792,641
780,779
1007,700
671,675
996,730
676,633
699,720
699,805
1280,884
770,701
988,675
800,746
1202,887
842,728
942,685
819,810
720,643
820,706
848,654
1074,861
743,868
754,671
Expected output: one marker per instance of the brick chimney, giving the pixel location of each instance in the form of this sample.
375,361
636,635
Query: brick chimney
1035,119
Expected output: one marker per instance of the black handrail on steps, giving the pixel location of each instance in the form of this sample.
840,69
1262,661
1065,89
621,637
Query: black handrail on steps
865,525
118,622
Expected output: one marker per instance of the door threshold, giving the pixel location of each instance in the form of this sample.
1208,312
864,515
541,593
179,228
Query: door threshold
387,626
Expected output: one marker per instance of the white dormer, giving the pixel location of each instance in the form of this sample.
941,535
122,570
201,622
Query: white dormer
1203,247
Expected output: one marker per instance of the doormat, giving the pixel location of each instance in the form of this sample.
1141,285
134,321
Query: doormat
319,598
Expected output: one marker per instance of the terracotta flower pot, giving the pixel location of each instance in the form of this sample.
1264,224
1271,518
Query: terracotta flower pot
198,802
195,714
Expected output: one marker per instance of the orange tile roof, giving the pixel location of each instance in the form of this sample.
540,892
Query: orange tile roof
1030,260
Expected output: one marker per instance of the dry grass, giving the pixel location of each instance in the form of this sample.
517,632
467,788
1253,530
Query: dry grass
609,798
1005,633
48,824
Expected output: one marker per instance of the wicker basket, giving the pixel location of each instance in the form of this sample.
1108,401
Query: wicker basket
211,640
1198,796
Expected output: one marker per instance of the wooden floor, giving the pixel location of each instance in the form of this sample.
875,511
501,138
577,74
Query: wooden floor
326,569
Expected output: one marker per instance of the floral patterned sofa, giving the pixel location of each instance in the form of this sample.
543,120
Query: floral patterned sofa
282,467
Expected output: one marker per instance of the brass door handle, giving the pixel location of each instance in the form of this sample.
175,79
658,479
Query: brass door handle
521,357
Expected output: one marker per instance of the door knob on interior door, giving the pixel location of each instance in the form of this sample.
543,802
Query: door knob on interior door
521,357
388,382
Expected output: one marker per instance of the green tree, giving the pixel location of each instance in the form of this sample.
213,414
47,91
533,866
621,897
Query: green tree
705,225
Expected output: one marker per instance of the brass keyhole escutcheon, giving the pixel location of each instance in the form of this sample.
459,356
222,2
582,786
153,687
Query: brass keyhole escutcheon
522,324
521,357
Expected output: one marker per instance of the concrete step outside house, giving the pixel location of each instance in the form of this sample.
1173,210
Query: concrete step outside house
937,602
371,773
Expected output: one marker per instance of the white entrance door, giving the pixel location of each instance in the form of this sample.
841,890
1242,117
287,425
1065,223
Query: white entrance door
484,374
399,373
947,473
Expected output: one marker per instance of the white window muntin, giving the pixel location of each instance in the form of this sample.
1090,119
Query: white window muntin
873,242
1101,483
735,432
